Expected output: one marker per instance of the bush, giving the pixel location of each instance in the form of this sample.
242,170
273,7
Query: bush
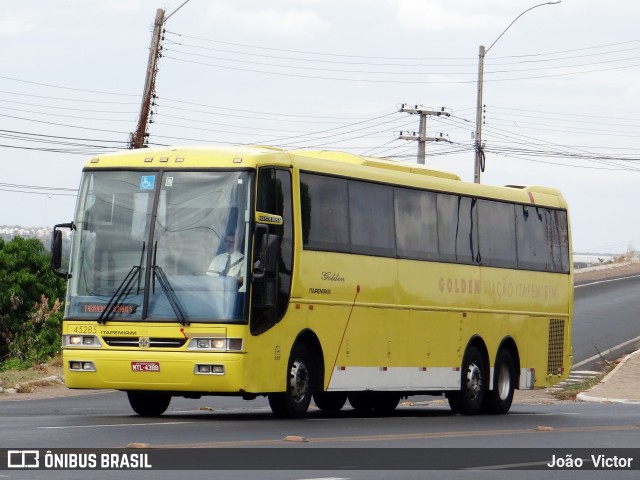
38,338
30,327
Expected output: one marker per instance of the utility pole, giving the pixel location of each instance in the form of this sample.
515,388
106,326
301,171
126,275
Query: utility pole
422,132
138,138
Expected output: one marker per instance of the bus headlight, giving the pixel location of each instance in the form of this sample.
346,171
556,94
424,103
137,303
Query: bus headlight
217,344
83,341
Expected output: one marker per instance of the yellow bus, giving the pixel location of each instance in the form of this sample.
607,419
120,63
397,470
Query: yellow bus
312,276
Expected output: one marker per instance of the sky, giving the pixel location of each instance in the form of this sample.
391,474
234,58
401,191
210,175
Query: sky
561,93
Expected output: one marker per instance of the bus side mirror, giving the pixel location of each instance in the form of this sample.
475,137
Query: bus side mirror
56,249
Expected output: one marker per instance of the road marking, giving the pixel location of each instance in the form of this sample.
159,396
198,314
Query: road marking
605,281
325,478
544,414
402,437
115,425
508,466
606,352
200,410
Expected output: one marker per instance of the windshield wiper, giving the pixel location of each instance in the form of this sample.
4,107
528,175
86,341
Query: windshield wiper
171,295
123,289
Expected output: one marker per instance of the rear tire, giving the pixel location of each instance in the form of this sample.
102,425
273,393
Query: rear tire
294,402
498,401
382,403
330,401
148,404
469,399
361,401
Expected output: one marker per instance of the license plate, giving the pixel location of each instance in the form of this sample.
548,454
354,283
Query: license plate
145,366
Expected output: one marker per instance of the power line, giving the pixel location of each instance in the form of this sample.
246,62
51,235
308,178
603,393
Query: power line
38,187
322,54
67,88
67,99
398,81
259,116
401,73
65,108
331,54
570,115
59,115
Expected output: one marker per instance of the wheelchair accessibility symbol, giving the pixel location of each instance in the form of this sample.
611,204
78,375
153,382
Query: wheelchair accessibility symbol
147,182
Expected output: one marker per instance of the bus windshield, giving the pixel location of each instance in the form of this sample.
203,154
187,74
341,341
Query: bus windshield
161,246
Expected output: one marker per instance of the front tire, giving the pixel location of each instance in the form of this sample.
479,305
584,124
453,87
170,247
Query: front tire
294,402
149,404
469,399
498,401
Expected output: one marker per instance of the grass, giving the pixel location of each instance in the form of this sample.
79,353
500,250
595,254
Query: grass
29,379
570,392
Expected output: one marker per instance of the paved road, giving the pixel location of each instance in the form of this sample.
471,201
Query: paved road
104,421
606,314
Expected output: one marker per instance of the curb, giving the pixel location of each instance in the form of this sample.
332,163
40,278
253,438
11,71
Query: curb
585,397
582,397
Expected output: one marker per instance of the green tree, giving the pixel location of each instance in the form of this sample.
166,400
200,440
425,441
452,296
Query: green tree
27,285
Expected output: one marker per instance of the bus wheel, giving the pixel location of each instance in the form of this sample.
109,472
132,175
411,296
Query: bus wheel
385,403
330,401
468,400
498,400
294,402
362,401
149,404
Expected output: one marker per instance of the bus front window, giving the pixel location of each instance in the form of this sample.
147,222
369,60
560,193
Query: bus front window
200,244
151,244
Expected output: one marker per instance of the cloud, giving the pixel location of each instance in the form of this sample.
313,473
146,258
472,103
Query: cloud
119,6
284,22
16,25
446,16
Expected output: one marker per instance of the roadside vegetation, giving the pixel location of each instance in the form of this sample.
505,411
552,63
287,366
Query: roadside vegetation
30,305
26,380
570,392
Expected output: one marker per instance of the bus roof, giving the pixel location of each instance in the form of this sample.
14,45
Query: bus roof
322,161
373,162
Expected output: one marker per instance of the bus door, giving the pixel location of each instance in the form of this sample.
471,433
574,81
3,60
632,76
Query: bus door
272,261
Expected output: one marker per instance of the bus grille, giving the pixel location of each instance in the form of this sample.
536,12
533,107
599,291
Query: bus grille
134,342
556,347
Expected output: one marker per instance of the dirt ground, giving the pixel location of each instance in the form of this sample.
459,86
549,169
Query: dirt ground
46,381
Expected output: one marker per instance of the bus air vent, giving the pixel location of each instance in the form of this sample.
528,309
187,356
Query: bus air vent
556,347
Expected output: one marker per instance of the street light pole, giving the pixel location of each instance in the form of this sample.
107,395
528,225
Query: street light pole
479,153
